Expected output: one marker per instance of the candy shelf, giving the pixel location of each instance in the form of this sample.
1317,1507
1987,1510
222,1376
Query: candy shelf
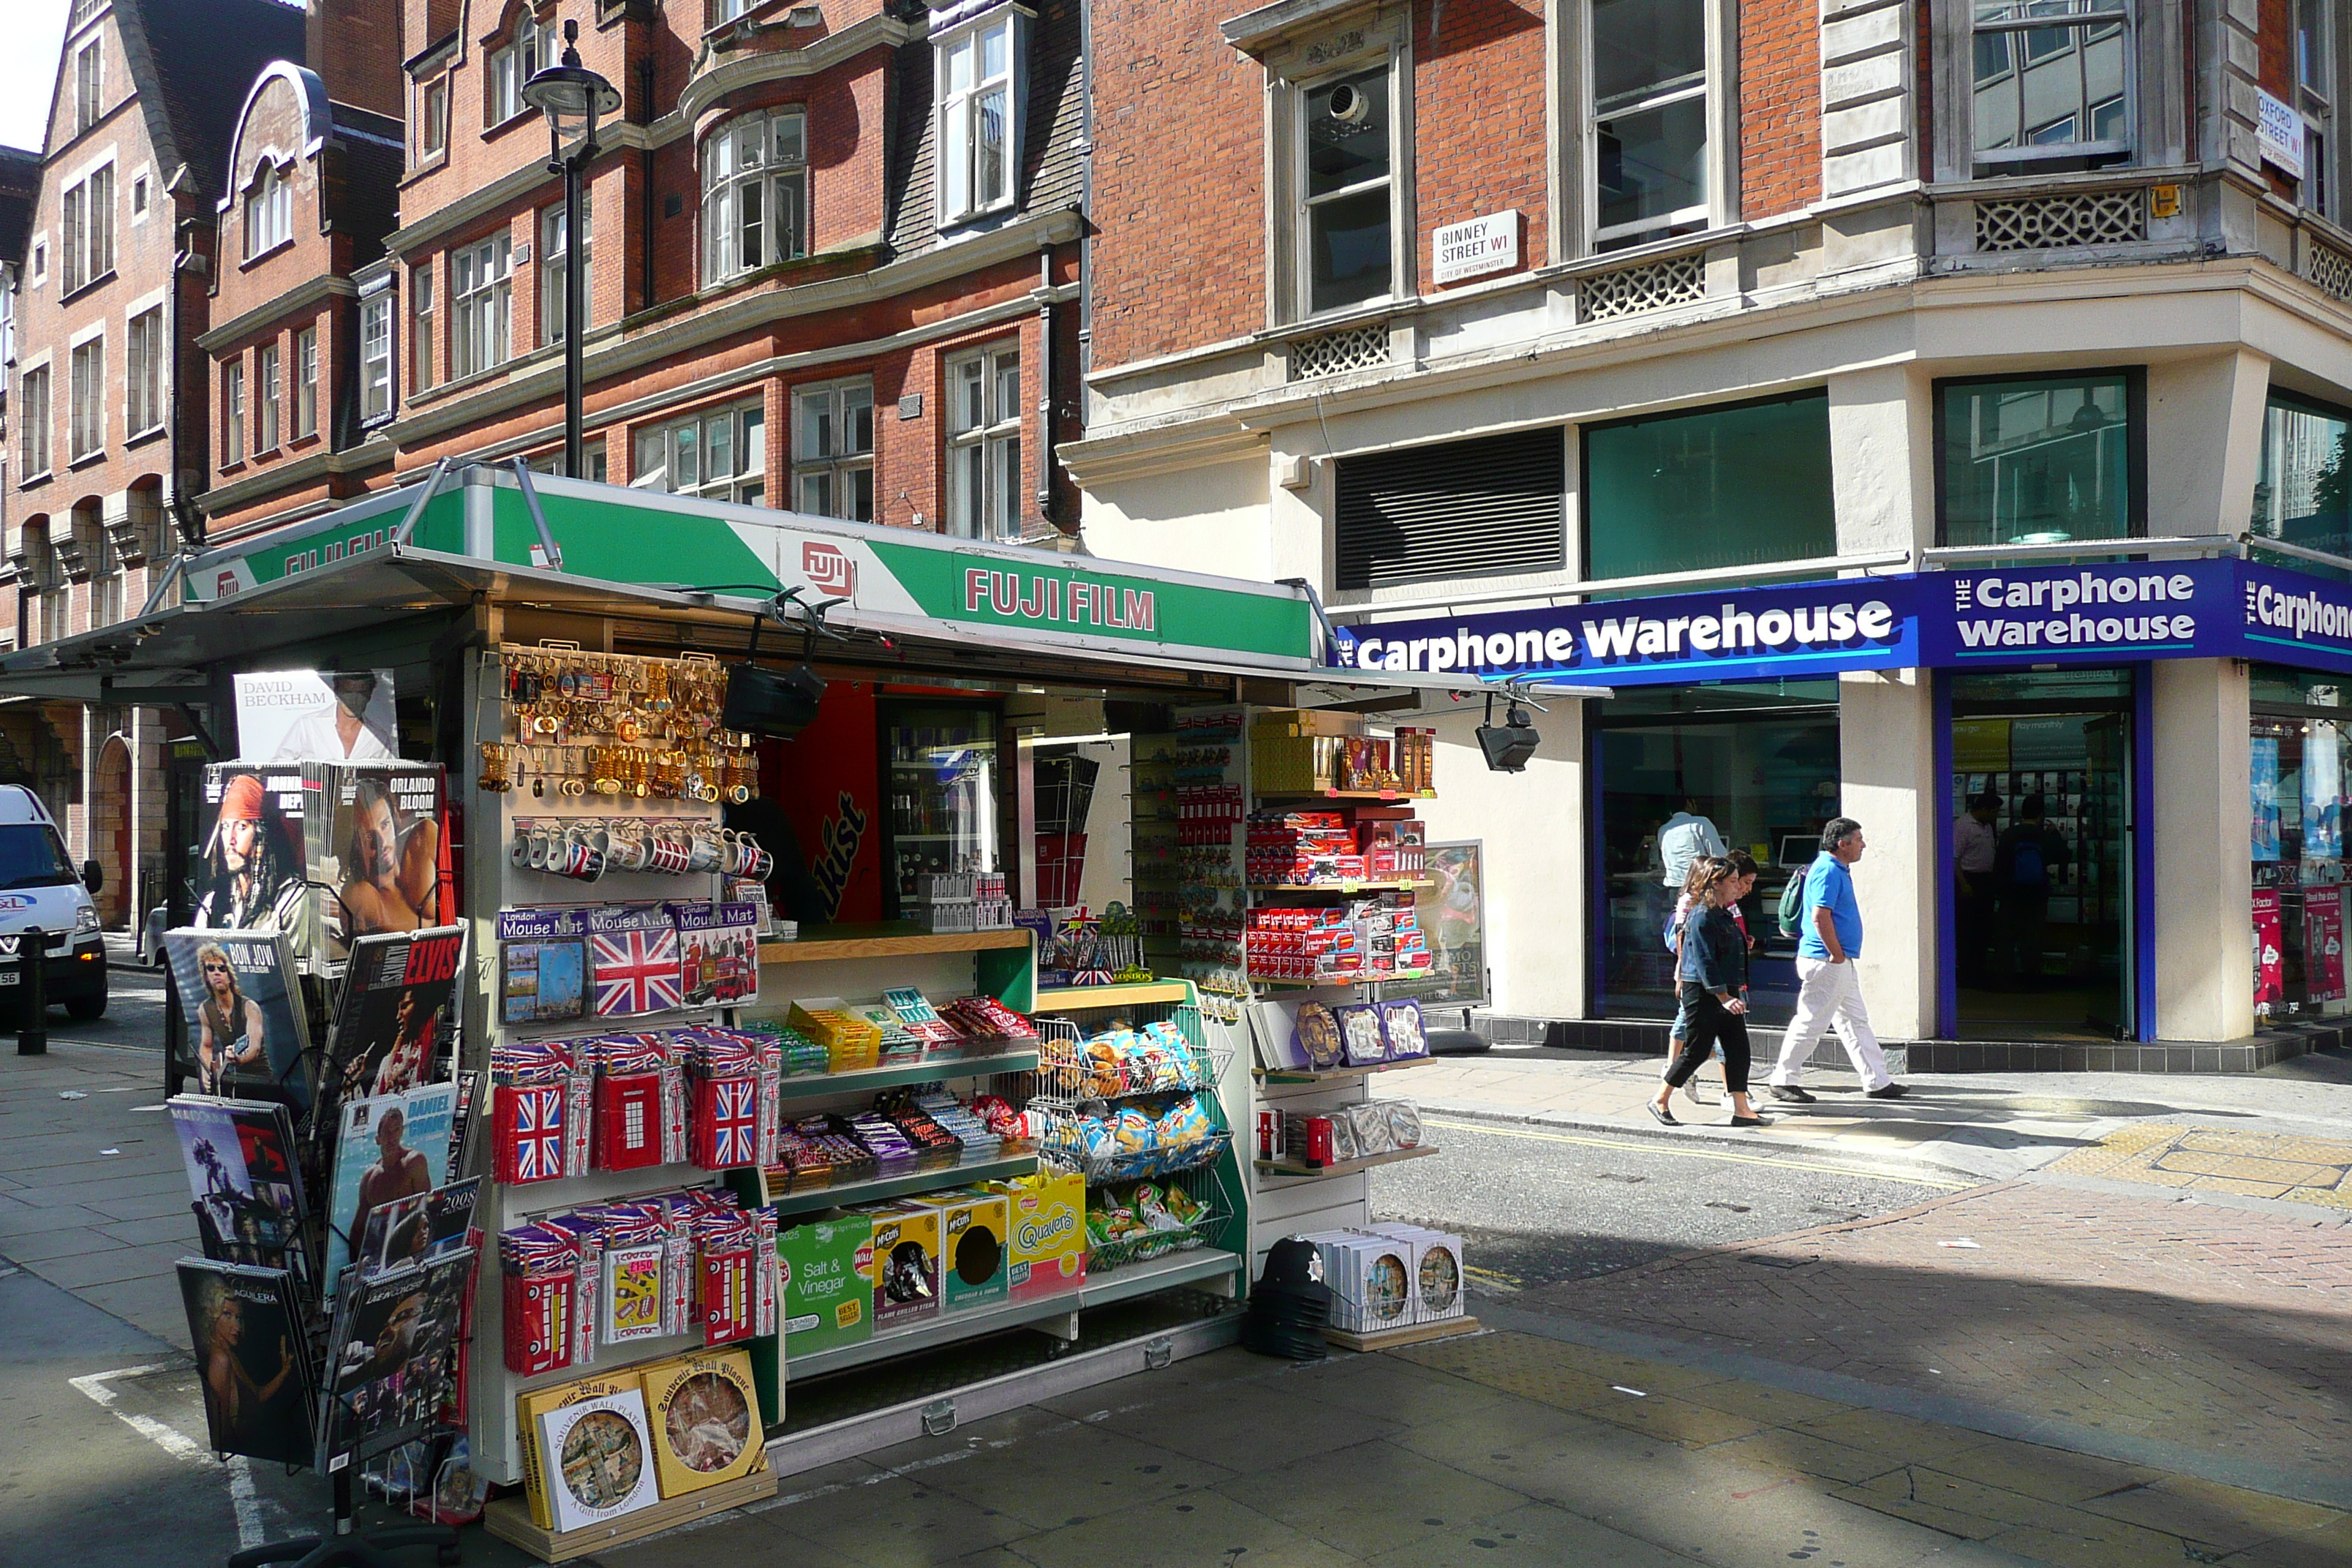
1341,1167
1204,1267
880,1189
812,1086
1345,794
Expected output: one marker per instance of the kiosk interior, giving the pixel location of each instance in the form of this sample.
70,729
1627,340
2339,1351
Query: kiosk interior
751,1204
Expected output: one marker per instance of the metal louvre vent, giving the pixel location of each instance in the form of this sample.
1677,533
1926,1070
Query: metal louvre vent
1486,507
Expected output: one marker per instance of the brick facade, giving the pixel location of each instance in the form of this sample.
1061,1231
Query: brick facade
1478,118
1780,106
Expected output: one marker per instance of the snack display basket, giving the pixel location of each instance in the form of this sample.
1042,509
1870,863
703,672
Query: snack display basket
1206,1188
1067,1074
1065,1145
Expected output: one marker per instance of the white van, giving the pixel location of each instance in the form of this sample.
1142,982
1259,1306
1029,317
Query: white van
39,889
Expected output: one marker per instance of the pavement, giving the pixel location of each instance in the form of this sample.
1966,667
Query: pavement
2110,1322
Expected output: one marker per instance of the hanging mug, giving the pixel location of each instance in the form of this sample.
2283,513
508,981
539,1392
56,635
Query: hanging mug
704,854
668,855
543,848
758,864
519,848
629,850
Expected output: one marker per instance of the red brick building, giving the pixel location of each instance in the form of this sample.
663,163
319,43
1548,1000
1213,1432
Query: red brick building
106,451
827,247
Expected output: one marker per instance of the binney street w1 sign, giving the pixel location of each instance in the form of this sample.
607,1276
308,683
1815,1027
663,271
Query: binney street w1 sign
2116,614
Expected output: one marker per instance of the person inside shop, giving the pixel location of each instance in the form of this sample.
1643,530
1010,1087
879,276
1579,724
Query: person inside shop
1711,974
1829,996
2023,862
1687,835
1974,843
339,731
390,870
792,893
251,876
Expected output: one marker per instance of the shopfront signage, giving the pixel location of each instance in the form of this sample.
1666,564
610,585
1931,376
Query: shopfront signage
1989,619
1473,249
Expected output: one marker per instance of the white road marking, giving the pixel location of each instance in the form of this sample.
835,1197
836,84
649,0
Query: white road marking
241,1494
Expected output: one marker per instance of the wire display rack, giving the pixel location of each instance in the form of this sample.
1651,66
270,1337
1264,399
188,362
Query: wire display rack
1212,1205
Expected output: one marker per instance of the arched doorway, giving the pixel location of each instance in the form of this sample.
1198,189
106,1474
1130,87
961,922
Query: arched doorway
111,817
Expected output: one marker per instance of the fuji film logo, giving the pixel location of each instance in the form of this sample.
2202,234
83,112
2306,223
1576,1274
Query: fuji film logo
828,569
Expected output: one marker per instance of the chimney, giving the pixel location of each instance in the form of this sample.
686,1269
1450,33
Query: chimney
354,46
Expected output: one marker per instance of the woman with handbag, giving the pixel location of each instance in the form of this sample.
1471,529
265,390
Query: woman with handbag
1712,973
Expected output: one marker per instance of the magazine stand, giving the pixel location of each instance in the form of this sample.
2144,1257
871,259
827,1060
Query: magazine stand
347,1547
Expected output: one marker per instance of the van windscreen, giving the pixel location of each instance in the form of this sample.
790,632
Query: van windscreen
32,855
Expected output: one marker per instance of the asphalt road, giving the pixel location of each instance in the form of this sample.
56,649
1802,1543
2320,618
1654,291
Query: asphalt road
1536,1207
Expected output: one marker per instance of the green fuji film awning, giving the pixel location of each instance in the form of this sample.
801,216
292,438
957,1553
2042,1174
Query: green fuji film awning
888,579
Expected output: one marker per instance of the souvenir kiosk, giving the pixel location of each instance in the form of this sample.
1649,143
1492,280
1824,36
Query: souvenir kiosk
849,1160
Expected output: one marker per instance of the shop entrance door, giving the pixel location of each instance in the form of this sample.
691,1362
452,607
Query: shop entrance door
2042,930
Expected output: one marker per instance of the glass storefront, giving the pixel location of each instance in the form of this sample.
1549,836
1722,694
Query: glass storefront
2040,782
2039,460
2303,492
2299,788
1732,486
1758,761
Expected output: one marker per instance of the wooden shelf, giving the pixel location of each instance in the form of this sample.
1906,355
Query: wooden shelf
818,943
1396,1339
1334,1075
509,1518
881,1189
1343,1167
810,1086
1080,999
1400,886
1202,1264
1389,796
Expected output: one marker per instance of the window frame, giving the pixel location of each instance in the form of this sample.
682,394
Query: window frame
145,387
424,370
553,244
1295,70
306,382
89,87
997,431
267,206
378,392
86,399
508,67
86,219
721,231
268,397
1579,516
744,484
2316,104
432,118
232,393
2135,379
35,430
1717,91
956,187
483,312
832,468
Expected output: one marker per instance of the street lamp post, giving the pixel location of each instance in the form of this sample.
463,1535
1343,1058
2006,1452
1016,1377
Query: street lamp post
572,98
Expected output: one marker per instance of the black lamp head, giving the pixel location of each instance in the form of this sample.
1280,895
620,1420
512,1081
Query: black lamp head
1509,745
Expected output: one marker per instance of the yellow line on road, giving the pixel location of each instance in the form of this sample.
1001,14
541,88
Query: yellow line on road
1650,1146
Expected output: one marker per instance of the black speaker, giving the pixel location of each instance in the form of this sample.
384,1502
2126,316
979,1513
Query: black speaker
775,703
1509,745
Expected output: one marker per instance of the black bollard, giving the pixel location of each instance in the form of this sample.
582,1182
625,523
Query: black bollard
33,993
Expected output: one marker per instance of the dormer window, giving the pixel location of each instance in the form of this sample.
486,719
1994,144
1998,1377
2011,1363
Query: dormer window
513,64
981,77
268,211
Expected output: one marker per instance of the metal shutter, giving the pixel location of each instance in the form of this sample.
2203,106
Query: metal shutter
1488,508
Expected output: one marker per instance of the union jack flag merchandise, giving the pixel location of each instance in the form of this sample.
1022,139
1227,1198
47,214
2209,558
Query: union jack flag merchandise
725,1122
529,1122
636,970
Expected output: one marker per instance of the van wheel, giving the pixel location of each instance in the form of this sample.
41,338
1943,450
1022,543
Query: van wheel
85,1009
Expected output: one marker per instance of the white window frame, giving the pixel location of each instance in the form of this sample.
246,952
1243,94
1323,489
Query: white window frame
551,245
90,83
377,354
424,370
673,455
233,412
268,397
306,382
1720,160
86,398
983,456
2317,88
144,357
2035,15
833,449
36,413
1296,68
1303,210
39,265
481,306
962,84
433,118
268,208
754,213
512,64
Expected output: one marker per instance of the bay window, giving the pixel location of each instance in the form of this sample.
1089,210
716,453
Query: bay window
754,194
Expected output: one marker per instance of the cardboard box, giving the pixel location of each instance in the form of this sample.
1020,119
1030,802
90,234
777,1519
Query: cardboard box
905,1272
973,1264
1045,1233
828,1277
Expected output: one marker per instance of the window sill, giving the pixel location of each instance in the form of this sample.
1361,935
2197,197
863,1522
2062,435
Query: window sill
29,481
259,257
140,437
492,132
978,215
101,282
86,460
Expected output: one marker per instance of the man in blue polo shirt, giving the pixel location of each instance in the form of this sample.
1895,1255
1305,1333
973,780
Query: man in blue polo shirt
1829,938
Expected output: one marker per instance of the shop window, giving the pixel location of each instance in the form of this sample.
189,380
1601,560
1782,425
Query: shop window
1650,118
375,356
2050,84
2040,459
481,297
145,407
2303,489
754,194
1741,485
981,72
2301,787
720,455
1463,509
833,450
306,382
32,423
553,244
88,433
984,444
268,211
